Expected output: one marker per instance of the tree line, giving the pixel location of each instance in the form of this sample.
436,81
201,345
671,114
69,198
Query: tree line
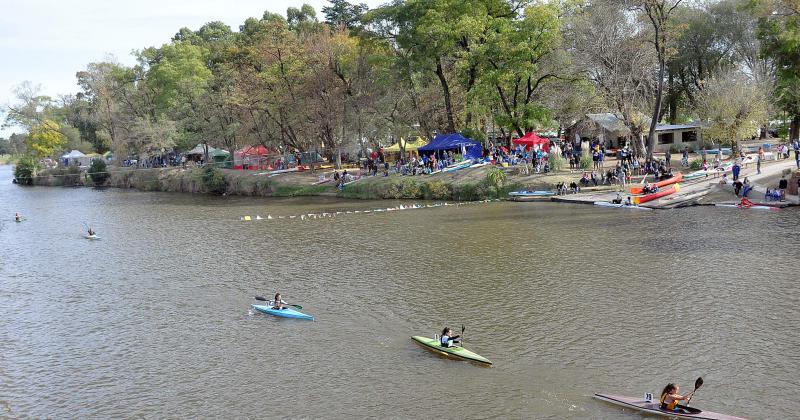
355,77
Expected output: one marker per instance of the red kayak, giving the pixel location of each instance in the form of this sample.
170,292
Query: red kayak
674,180
653,408
656,195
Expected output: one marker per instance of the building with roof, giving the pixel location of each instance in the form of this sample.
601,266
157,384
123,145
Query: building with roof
612,131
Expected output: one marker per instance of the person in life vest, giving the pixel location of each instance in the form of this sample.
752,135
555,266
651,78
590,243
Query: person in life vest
278,302
90,232
670,398
617,200
448,339
17,217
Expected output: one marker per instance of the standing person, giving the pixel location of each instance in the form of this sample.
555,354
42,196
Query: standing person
796,147
735,170
759,158
685,159
667,158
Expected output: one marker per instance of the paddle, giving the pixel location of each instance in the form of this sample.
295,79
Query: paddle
261,298
697,384
462,335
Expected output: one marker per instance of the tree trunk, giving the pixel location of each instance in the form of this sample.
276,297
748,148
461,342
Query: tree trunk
651,136
673,100
794,128
451,125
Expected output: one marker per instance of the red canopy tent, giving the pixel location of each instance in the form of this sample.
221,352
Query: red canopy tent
251,157
530,140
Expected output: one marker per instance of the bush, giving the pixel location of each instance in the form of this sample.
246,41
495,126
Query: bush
496,177
557,162
437,190
72,178
214,180
403,188
696,164
98,172
25,170
586,162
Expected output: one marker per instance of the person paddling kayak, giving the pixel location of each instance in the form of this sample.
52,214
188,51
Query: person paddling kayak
278,301
90,232
448,339
17,217
670,398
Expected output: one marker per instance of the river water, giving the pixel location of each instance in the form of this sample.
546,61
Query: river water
153,319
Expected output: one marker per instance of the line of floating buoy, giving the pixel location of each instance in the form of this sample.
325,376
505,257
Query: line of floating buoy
332,214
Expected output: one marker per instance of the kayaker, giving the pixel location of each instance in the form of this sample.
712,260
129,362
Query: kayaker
278,301
617,200
628,201
670,398
448,339
17,217
90,231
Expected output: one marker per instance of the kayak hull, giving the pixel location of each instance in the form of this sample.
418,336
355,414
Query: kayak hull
92,237
753,207
675,179
531,193
459,353
619,206
653,408
286,312
650,197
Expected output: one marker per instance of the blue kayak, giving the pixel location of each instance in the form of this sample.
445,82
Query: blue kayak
531,193
286,312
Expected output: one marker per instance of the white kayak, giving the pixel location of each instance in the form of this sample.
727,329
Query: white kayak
653,408
753,207
91,237
619,206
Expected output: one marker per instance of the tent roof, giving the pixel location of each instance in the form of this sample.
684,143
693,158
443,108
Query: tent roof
200,150
414,144
218,152
448,142
531,139
73,155
259,150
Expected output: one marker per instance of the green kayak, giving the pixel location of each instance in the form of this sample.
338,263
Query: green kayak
457,352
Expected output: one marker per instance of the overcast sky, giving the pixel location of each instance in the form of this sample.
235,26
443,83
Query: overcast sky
48,41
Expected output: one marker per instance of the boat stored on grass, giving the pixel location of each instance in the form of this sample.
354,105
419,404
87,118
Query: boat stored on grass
285,312
652,407
461,353
669,181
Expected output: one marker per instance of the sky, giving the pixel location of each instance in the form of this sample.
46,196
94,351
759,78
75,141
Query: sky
47,41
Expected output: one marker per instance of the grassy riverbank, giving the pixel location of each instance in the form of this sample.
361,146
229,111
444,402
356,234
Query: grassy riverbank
465,185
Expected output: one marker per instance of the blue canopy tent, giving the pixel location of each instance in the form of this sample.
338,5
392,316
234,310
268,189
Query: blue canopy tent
454,141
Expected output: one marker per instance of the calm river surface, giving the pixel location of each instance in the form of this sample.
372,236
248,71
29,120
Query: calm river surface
154,319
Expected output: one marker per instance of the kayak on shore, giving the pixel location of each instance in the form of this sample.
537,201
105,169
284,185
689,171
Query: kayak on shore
656,195
652,407
675,179
619,206
753,207
523,193
285,312
460,353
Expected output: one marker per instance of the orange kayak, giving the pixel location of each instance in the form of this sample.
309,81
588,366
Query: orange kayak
650,197
659,184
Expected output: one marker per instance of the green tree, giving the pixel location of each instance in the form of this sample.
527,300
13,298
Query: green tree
734,107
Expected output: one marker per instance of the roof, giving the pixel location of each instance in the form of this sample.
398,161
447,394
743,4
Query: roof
674,127
199,150
75,154
414,144
609,122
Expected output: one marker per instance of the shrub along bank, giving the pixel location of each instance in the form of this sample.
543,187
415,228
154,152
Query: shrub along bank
466,185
